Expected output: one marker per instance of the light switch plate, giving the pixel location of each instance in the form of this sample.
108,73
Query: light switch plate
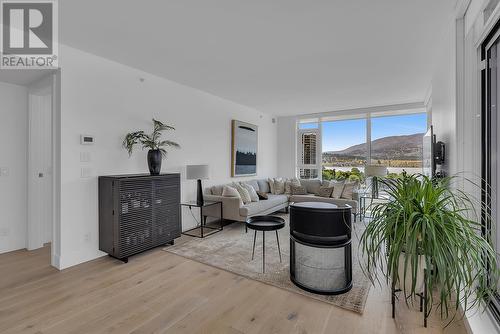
84,156
86,172
4,171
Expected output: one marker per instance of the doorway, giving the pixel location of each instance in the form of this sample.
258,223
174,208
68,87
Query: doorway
40,163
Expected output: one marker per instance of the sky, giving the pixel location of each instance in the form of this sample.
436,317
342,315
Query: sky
339,135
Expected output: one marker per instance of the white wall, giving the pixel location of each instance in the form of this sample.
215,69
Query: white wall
13,160
444,96
287,137
106,99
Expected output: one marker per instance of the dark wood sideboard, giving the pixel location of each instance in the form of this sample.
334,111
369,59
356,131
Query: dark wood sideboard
138,212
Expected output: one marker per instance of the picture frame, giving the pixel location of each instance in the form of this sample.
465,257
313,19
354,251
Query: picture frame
244,148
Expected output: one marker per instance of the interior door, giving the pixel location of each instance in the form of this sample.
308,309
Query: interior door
40,167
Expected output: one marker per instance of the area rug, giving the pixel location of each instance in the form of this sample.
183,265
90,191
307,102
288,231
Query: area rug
231,250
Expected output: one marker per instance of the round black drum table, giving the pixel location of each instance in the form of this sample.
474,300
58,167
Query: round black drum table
320,247
265,223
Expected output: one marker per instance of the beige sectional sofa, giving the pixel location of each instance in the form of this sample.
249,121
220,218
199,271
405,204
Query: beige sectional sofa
233,209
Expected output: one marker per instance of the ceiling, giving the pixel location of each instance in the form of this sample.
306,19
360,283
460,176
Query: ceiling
283,57
22,77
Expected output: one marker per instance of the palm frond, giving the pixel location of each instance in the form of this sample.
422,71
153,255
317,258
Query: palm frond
131,139
168,143
152,141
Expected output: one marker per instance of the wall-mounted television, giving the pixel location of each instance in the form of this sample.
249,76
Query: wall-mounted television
433,153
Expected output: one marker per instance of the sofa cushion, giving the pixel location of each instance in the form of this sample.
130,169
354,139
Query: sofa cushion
279,186
254,184
348,190
244,194
263,186
338,188
324,191
298,190
302,198
312,186
217,190
272,188
255,208
289,183
251,191
262,195
228,191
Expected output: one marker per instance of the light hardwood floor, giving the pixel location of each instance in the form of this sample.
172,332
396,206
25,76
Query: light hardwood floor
158,292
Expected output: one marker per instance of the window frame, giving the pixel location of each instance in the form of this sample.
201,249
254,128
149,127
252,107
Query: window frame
300,150
366,115
486,191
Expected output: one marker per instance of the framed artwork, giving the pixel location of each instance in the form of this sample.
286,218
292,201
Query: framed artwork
244,143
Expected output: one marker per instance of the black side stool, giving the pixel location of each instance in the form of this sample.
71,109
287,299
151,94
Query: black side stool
265,223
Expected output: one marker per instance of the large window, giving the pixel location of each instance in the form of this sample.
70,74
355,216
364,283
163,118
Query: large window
333,147
397,142
490,148
344,146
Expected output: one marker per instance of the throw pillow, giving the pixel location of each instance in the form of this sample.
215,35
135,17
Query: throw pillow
251,190
217,190
271,186
254,184
279,186
288,185
228,191
263,186
262,195
324,191
348,190
245,196
338,187
298,190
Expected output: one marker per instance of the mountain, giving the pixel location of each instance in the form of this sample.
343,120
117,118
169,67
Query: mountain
408,147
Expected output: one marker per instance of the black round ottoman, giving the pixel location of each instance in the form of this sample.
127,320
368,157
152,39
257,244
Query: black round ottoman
320,247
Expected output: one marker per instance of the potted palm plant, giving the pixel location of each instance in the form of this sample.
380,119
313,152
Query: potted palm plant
153,142
430,224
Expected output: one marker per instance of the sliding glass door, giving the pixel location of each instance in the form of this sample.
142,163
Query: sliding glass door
490,146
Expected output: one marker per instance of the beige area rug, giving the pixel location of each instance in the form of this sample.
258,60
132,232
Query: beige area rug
231,250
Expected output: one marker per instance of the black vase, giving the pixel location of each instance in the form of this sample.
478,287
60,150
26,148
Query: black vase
154,162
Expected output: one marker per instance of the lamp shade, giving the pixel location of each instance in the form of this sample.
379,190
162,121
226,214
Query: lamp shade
197,172
375,170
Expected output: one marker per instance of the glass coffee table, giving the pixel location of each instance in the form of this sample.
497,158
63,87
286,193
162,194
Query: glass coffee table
367,200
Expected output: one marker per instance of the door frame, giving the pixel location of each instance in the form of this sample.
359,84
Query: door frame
53,78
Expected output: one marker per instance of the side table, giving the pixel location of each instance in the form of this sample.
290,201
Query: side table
202,224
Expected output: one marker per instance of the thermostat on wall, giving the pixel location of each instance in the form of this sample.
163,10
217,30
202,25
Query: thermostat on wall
86,140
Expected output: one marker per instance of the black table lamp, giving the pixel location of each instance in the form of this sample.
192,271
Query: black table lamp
197,172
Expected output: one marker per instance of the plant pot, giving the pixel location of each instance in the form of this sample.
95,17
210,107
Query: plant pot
154,162
405,285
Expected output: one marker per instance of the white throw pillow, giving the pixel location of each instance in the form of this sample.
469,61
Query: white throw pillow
229,191
271,185
251,190
338,188
348,190
244,194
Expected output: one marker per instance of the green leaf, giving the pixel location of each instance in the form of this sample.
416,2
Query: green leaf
431,218
152,141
